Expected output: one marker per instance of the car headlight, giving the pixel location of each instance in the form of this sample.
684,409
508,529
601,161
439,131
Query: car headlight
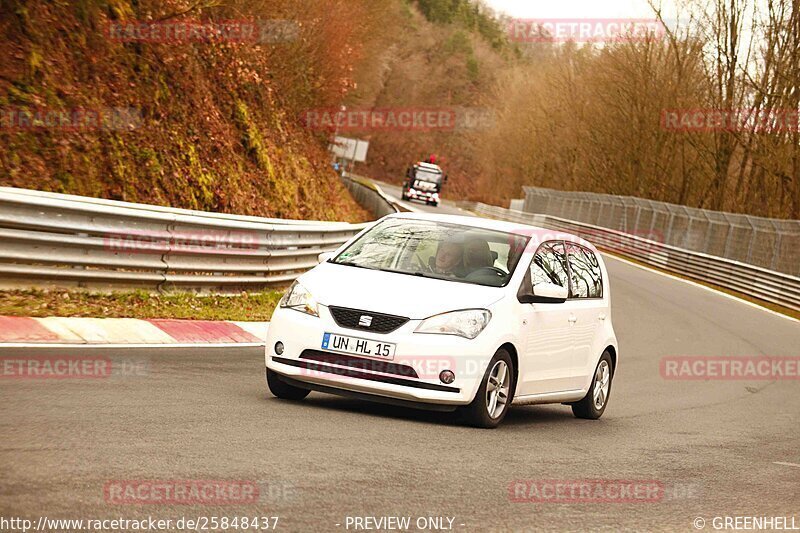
298,298
466,324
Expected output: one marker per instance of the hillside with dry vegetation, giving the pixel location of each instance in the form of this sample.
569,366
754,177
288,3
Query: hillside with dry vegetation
705,115
591,116
222,124
207,125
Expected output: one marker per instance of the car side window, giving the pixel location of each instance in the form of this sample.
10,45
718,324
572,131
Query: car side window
586,278
549,265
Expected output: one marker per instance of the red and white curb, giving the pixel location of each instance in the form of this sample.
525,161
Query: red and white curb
128,332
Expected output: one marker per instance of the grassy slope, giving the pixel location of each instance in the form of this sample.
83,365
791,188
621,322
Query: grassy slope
256,307
214,134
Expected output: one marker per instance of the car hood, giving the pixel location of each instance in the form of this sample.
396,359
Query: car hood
395,294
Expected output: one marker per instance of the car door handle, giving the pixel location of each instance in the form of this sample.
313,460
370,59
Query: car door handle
572,319
602,316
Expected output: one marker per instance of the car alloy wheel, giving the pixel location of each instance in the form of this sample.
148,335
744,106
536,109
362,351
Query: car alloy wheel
602,382
497,389
595,402
493,398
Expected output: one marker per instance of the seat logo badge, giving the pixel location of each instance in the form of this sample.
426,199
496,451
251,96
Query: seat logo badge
365,321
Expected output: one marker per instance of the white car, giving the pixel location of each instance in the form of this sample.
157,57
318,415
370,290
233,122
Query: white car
447,312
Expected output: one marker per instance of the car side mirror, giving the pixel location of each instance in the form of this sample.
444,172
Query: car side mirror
546,293
325,256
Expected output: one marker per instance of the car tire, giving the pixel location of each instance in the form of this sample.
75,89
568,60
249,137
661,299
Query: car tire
283,390
593,405
479,413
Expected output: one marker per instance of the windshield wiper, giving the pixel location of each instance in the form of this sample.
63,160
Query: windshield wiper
352,264
417,273
381,269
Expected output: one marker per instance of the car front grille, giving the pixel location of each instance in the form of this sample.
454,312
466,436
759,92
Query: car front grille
360,363
360,374
357,319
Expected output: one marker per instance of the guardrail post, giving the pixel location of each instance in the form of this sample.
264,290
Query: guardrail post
652,217
623,221
601,206
638,216
752,241
688,231
669,226
728,238
707,239
776,250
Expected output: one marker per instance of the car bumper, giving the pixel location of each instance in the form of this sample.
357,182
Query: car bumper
425,197
412,375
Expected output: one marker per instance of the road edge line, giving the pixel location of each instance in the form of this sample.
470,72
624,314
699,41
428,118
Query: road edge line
700,285
118,346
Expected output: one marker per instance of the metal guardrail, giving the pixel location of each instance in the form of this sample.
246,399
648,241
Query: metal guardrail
769,243
369,195
49,238
757,282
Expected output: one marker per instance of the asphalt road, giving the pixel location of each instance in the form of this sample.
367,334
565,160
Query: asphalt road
445,206
206,414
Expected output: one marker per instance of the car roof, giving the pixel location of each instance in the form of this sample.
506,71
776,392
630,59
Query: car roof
517,228
429,166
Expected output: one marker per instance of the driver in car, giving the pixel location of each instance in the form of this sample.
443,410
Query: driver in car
449,259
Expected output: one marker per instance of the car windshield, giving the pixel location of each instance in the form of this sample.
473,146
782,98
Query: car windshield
428,175
437,250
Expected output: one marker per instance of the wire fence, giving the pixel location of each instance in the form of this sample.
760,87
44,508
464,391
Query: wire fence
766,242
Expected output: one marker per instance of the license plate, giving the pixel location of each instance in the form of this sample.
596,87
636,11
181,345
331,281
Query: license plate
358,346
